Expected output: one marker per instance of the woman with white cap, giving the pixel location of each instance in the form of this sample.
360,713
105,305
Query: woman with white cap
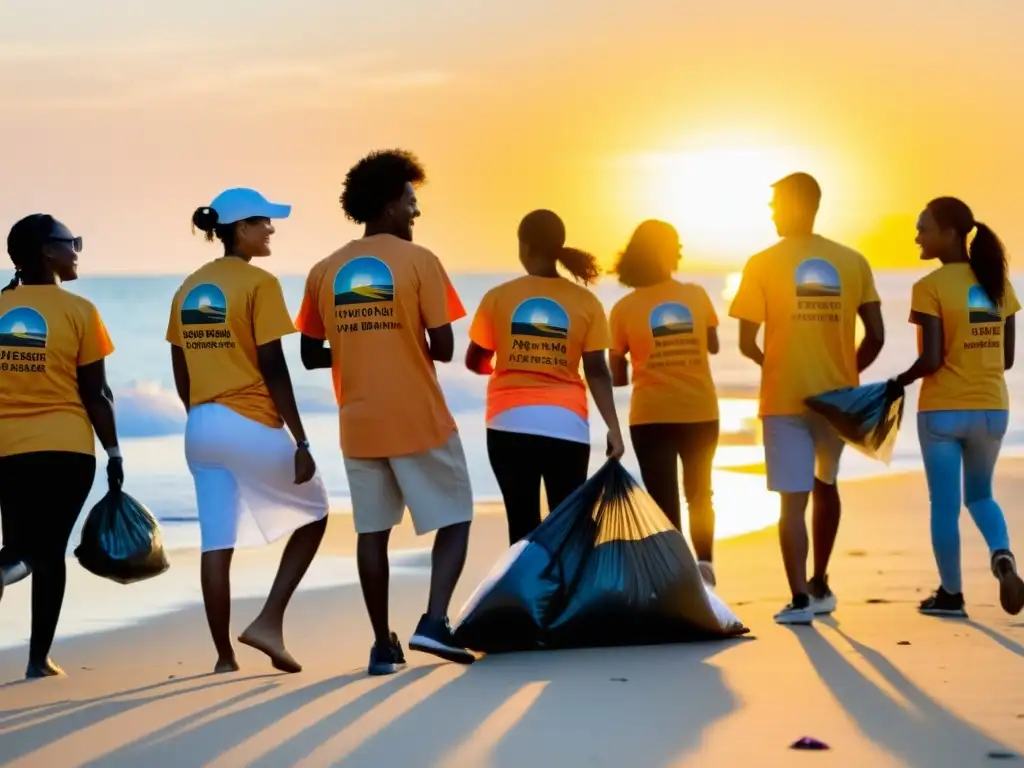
254,482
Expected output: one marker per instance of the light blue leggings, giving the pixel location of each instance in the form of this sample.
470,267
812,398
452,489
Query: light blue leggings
951,441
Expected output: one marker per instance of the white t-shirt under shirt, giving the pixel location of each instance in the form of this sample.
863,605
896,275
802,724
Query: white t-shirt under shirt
544,421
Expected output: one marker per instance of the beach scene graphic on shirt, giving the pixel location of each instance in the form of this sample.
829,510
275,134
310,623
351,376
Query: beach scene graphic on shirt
22,327
817,278
671,319
204,305
981,308
364,280
540,316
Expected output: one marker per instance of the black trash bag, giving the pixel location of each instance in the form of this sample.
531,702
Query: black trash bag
121,540
867,417
605,568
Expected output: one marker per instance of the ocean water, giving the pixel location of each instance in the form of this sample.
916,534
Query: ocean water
151,420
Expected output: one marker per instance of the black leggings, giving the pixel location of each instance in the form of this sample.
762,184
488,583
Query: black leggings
520,462
41,496
657,447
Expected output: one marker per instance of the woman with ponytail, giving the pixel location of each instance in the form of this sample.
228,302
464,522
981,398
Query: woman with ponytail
965,312
53,398
530,336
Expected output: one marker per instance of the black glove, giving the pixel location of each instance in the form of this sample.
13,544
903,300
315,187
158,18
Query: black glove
115,473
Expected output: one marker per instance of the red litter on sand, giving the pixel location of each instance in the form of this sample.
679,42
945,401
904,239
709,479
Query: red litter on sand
808,743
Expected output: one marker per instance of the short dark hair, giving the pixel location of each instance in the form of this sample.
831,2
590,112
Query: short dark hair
378,180
800,189
642,264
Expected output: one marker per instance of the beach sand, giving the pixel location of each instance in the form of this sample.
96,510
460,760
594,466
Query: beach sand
877,682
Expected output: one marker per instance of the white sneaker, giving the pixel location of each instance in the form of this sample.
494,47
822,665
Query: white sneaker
823,599
793,615
707,573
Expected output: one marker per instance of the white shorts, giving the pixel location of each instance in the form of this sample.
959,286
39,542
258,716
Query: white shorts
798,449
244,474
434,485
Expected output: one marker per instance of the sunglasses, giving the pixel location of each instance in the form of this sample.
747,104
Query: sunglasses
74,242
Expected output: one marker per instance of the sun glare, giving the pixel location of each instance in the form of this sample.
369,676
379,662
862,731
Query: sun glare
19,328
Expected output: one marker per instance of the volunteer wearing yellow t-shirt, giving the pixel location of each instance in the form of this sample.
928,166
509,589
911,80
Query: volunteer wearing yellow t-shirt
964,312
386,307
807,292
53,397
668,329
530,336
254,482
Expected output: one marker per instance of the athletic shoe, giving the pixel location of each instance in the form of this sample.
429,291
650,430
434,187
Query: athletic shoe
707,573
942,603
385,658
823,600
1011,587
435,636
12,574
797,612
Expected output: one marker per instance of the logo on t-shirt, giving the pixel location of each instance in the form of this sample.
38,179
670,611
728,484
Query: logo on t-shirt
540,316
204,305
364,280
816,278
981,308
22,327
671,319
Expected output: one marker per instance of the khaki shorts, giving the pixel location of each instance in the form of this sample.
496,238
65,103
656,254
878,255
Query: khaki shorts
798,449
434,485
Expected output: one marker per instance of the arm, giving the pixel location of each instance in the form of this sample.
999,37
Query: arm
713,345
441,343
479,360
274,368
1009,342
599,379
98,401
181,379
931,357
315,353
619,368
874,334
748,341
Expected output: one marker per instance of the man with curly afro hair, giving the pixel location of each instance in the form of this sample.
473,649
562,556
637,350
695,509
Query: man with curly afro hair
385,306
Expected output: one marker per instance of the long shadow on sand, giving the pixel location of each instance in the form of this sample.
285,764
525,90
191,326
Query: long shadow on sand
1000,639
586,707
898,729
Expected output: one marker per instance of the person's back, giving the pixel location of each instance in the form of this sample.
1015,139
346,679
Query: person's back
374,299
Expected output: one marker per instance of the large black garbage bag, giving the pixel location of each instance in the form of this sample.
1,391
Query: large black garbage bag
605,568
121,540
867,417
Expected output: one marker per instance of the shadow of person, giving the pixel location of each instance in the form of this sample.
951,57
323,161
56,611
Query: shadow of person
561,708
1000,639
920,733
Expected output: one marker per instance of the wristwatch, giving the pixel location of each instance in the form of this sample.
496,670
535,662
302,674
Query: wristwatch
304,444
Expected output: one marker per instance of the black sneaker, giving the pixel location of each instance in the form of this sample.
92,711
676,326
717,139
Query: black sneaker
942,603
385,659
1011,586
435,637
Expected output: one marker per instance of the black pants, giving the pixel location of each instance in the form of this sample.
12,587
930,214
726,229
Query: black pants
41,496
520,462
658,448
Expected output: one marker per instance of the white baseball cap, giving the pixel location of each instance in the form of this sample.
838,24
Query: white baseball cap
241,203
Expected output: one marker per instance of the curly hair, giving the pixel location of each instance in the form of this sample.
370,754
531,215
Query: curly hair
378,180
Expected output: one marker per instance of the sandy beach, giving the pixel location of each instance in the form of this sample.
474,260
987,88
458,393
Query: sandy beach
877,682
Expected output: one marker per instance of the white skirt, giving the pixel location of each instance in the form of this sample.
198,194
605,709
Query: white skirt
244,473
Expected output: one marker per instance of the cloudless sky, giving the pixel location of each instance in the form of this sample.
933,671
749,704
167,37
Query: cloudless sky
120,117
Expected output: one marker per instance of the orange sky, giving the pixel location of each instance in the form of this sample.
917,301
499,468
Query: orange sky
121,119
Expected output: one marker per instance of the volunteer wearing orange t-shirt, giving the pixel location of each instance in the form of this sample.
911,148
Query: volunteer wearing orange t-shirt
530,335
807,291
53,397
965,312
254,482
386,307
668,329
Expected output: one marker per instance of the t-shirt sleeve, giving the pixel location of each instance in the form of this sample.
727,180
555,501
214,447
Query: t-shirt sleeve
174,323
749,301
439,302
270,318
598,335
309,320
95,343
1011,305
924,299
617,329
481,330
869,293
709,308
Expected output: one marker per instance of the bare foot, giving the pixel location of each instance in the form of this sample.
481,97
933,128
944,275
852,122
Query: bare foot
225,665
45,668
271,643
